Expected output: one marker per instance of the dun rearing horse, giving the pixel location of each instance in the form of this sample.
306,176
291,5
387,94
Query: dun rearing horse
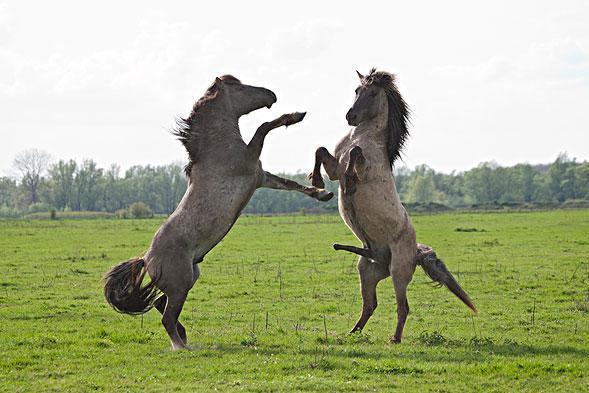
223,173
368,200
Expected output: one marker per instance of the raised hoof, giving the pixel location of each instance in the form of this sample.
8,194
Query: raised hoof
324,195
293,118
394,340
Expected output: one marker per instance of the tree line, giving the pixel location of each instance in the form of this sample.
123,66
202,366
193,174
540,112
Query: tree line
67,185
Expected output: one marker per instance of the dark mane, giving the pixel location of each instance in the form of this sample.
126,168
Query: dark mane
185,129
397,126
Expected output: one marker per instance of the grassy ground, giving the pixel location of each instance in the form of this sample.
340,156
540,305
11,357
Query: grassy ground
273,290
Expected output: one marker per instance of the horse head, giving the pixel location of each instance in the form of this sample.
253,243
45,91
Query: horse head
241,99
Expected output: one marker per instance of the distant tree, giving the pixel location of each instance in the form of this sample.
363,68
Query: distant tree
582,179
482,184
8,192
62,176
111,189
421,186
450,188
402,176
526,175
542,191
31,165
70,185
85,186
557,176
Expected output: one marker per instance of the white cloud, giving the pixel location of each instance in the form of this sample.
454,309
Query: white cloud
551,63
7,24
310,39
87,81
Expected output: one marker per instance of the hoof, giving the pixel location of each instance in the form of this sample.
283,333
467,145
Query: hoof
176,347
394,340
324,195
294,118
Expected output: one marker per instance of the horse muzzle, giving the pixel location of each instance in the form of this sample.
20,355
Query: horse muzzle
352,118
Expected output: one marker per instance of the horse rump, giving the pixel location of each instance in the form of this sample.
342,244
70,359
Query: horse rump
123,290
437,271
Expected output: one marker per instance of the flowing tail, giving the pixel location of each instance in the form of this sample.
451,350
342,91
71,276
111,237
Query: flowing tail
437,271
123,291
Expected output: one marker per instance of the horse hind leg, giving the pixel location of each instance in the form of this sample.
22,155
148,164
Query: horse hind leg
163,301
370,275
400,283
170,318
160,305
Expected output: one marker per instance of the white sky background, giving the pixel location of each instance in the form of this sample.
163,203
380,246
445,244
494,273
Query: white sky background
505,81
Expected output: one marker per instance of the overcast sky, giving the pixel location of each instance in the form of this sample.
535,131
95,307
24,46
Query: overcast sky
503,81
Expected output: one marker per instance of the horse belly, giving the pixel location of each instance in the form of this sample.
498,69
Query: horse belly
373,215
220,210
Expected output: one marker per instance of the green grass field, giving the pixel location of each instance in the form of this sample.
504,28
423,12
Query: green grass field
272,291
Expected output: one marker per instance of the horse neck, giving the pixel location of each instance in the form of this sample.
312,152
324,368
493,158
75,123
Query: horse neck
216,125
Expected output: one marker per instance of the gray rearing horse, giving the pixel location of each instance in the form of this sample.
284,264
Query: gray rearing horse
223,173
369,202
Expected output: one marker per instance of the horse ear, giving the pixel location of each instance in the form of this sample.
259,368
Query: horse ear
218,84
360,75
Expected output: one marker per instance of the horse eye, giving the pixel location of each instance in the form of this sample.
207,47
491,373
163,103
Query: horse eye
372,95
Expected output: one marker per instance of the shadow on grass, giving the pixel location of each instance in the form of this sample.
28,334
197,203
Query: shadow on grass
453,352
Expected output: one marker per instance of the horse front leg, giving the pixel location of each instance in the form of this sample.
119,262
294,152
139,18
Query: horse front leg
354,170
280,183
322,156
257,142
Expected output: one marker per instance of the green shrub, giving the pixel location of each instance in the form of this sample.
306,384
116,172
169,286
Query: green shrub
575,204
8,212
39,207
140,210
123,213
75,215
